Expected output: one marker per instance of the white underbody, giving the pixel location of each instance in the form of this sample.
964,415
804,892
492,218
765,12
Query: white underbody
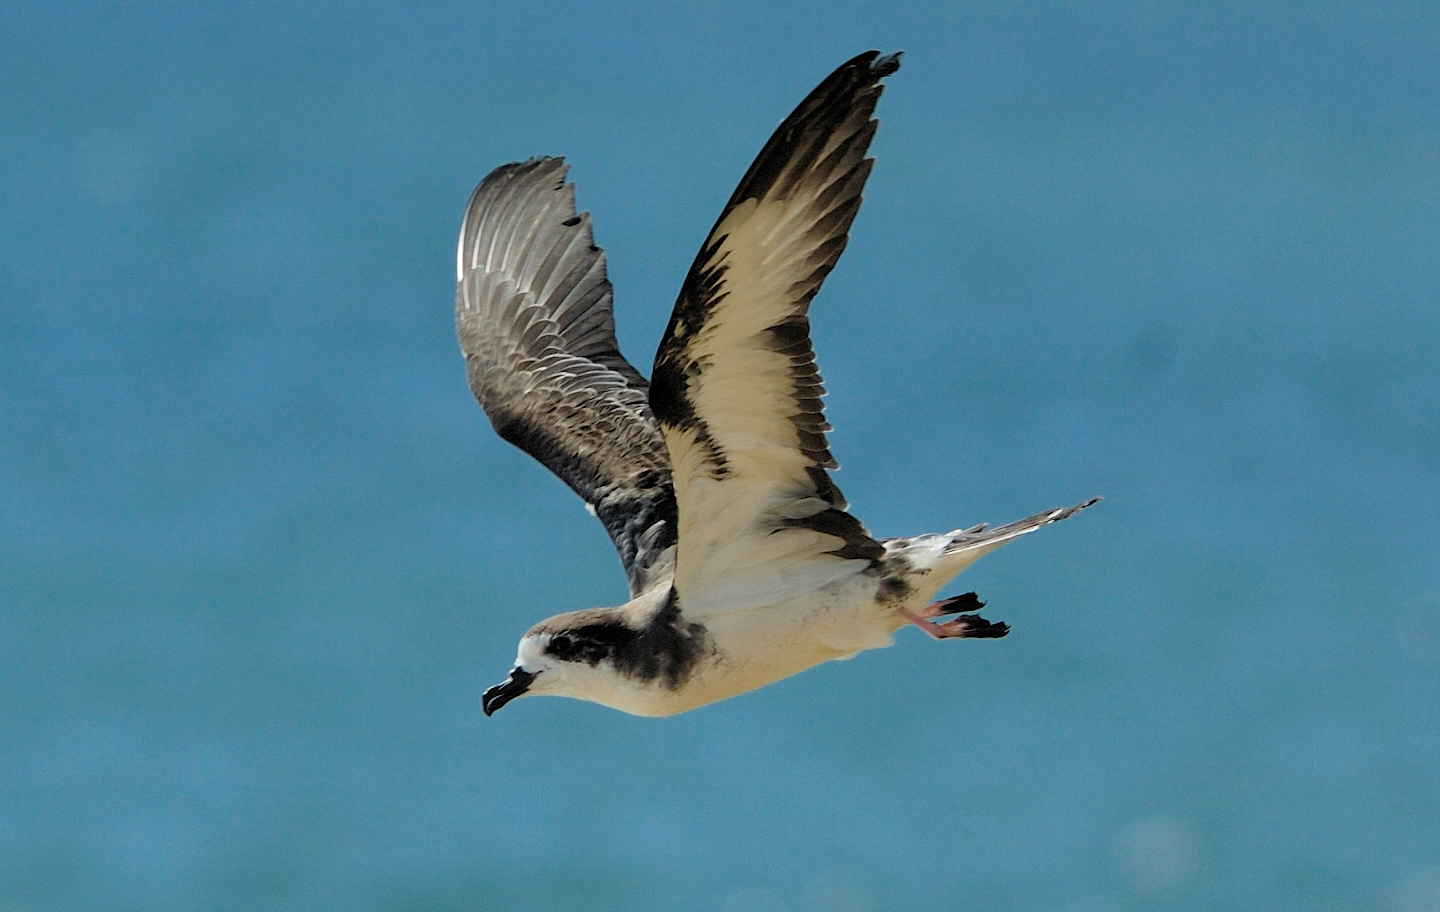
755,646
758,629
766,643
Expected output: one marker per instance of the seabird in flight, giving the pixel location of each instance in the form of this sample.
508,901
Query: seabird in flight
712,479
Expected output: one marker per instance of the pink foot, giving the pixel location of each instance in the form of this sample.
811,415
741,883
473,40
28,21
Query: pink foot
969,625
960,604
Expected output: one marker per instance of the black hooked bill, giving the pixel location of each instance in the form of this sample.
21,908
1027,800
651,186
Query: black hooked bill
509,689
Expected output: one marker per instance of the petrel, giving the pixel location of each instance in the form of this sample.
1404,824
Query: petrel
712,479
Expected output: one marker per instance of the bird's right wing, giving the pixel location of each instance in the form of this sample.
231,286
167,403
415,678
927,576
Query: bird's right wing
533,312
735,385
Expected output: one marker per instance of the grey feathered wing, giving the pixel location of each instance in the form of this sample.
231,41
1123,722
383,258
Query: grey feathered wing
533,313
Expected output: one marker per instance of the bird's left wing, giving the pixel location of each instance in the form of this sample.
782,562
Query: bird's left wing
735,385
533,312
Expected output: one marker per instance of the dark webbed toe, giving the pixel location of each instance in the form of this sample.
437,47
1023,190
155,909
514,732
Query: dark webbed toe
973,625
965,625
960,604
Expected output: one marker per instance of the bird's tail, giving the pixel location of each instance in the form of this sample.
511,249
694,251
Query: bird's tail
945,556
976,542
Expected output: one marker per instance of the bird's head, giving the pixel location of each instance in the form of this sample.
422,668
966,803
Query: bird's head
569,655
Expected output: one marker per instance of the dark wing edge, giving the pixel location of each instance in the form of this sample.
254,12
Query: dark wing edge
818,152
533,312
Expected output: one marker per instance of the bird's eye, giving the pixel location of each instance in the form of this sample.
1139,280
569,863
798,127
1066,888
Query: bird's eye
561,644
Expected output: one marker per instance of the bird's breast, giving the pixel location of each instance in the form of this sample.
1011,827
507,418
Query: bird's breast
750,648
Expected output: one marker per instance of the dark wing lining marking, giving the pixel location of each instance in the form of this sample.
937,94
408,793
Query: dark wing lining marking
665,649
735,385
533,313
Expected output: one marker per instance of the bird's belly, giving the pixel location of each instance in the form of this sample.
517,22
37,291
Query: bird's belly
759,646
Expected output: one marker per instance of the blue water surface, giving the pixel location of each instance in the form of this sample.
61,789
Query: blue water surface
260,552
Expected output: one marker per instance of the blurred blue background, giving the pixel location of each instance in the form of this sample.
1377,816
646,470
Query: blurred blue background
260,552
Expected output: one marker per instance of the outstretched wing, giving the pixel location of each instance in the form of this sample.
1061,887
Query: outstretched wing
735,385
533,312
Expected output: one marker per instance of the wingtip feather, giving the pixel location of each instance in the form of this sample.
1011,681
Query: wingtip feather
886,64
